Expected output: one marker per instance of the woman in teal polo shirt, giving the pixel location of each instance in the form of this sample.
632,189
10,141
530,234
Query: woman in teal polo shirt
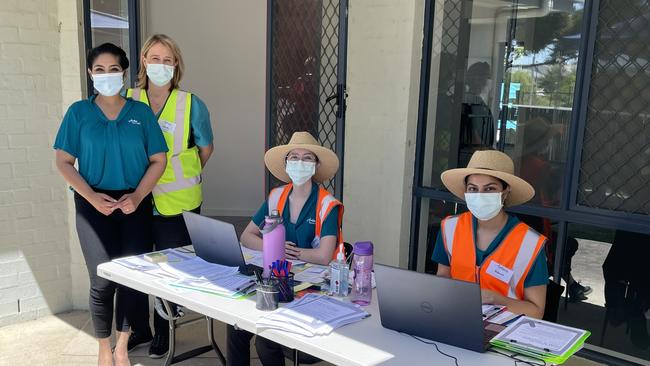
120,152
312,219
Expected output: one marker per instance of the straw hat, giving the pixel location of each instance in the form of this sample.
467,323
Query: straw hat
538,132
328,161
493,163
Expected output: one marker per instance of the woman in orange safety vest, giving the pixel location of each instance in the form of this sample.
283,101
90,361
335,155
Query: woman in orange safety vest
488,246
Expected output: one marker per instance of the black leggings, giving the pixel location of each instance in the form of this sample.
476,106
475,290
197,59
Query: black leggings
102,239
168,232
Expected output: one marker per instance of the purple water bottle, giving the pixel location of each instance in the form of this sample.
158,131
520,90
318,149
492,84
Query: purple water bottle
362,265
273,241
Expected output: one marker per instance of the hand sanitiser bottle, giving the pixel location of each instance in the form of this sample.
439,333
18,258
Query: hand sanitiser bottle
339,272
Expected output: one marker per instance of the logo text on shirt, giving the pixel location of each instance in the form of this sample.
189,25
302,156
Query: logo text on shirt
134,122
311,221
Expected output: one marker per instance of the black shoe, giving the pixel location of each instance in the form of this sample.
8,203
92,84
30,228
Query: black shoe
159,346
137,339
577,292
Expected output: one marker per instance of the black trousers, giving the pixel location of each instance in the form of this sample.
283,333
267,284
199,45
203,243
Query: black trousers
102,239
168,232
270,353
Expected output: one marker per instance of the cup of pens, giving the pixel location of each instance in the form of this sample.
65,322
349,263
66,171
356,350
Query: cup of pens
281,272
267,294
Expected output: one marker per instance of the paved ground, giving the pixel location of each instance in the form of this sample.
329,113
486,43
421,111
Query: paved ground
65,339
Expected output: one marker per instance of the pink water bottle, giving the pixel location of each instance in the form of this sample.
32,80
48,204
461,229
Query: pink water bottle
273,241
362,265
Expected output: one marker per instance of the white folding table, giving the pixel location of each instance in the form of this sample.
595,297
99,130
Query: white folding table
363,343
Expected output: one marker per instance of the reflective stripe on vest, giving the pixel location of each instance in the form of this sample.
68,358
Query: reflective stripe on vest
325,204
517,252
179,188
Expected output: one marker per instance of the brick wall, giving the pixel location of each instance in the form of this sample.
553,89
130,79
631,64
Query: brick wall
35,277
384,51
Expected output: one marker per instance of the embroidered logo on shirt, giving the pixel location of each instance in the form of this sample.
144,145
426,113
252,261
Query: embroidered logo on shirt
311,221
134,122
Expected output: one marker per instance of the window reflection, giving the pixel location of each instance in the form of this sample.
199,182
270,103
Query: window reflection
503,77
611,263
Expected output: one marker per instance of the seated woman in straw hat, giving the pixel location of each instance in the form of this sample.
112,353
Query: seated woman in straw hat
487,245
312,219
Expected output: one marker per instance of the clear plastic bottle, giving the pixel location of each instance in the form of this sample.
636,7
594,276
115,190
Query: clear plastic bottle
339,273
362,264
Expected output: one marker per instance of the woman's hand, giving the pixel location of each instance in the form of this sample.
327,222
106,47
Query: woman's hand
292,251
129,203
103,203
488,296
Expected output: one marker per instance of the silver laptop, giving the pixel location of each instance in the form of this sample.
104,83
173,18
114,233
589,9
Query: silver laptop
432,307
213,240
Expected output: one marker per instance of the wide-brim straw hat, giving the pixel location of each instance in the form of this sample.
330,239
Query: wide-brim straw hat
493,163
538,133
327,159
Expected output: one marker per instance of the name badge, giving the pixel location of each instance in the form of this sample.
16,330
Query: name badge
499,272
167,126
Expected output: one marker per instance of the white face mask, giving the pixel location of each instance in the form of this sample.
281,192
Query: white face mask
160,74
108,84
300,171
484,206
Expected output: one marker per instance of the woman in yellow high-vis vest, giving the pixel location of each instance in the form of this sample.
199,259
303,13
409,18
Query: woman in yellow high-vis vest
185,122
487,245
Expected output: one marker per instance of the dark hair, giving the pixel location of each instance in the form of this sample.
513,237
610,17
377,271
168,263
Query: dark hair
503,183
107,48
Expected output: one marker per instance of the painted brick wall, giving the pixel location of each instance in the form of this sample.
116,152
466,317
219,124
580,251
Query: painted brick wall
35,258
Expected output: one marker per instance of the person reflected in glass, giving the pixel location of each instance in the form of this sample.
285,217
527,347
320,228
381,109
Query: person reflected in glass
477,128
487,245
536,167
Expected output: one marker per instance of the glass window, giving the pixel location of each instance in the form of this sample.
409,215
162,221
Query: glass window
109,22
503,77
608,288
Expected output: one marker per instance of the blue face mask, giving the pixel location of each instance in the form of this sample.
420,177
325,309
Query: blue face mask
160,74
484,206
108,85
300,171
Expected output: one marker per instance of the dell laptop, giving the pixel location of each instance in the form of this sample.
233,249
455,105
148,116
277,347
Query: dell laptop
216,242
431,307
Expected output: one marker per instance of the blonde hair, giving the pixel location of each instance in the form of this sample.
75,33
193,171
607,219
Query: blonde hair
178,57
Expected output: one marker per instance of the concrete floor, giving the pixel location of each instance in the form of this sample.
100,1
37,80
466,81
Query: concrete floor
65,339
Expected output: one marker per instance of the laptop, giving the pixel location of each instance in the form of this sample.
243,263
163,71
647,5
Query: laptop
216,242
432,307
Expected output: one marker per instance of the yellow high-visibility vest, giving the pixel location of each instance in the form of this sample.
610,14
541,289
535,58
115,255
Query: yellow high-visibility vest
179,188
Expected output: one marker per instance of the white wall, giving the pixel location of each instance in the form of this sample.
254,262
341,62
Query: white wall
224,48
384,51
35,259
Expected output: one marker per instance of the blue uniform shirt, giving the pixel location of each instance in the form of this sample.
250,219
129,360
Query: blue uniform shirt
303,231
112,154
538,274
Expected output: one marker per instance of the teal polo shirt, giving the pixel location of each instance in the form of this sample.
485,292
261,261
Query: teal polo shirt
303,231
538,274
112,154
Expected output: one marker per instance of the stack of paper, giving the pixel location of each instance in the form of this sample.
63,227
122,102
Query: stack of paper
234,286
138,262
540,339
312,315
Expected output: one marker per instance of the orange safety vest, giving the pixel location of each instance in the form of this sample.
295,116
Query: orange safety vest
517,253
324,205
